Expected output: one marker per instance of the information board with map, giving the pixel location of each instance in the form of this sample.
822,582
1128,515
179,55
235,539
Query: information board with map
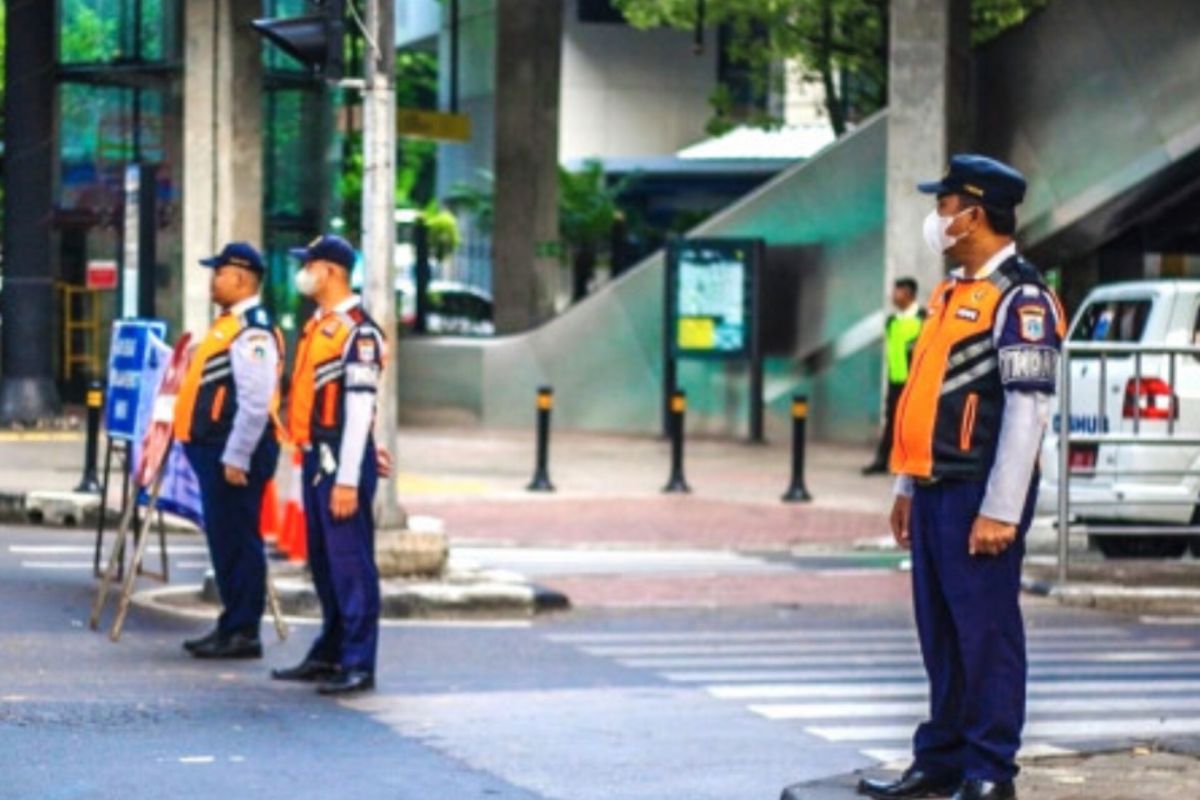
711,297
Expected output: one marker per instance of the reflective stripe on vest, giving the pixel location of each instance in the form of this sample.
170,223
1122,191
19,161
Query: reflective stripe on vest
314,404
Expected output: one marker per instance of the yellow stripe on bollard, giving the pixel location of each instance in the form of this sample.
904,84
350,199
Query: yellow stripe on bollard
799,410
678,404
95,398
545,401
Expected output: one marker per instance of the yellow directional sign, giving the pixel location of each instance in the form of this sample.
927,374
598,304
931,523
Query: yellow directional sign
438,125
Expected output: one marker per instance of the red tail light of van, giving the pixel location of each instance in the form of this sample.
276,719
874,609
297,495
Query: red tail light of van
1150,398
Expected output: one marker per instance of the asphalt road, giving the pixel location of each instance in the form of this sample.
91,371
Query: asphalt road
628,704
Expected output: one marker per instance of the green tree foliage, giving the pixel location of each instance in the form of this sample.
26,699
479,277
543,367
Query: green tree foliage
843,42
416,159
444,236
87,34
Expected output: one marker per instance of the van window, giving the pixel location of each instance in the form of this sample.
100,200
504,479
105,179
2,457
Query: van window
1112,321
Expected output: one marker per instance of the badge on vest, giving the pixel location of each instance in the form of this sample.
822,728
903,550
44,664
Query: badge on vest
1033,323
969,314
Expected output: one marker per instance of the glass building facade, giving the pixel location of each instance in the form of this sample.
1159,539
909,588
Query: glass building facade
120,82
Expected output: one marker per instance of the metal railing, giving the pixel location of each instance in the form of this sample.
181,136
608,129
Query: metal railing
1104,352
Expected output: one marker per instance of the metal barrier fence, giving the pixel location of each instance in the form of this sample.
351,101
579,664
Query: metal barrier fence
1104,352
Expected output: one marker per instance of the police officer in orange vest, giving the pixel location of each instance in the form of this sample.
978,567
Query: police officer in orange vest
223,415
968,430
331,411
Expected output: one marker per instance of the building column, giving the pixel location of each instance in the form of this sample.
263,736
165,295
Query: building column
27,390
223,141
927,114
528,75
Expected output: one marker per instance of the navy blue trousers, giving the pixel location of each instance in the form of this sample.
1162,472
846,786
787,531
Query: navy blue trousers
341,555
232,516
972,636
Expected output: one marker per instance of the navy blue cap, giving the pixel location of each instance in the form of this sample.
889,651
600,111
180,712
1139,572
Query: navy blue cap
993,183
238,254
329,247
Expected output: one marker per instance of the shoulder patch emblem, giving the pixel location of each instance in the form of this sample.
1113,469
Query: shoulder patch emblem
969,314
366,349
1033,323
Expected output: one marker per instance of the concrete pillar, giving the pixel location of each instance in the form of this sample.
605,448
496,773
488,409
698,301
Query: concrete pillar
528,74
927,114
222,134
27,391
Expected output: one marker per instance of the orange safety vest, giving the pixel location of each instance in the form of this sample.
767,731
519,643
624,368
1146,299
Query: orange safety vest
207,400
948,419
316,400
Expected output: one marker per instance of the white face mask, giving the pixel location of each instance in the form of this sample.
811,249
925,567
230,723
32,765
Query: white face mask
936,230
306,282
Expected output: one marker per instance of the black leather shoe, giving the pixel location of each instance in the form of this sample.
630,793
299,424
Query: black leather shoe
191,644
349,682
975,789
914,783
237,645
307,672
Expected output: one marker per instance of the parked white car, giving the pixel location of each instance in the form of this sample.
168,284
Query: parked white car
1165,312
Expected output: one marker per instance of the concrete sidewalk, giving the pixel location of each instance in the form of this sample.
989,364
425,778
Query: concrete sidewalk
609,492
609,489
1164,770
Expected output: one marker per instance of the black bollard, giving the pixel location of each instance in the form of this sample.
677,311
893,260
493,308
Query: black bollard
95,399
678,411
797,492
541,475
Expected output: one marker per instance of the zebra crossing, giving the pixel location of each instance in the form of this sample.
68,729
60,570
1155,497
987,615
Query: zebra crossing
866,688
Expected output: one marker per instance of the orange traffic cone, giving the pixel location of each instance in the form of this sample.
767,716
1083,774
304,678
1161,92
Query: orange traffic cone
293,538
268,520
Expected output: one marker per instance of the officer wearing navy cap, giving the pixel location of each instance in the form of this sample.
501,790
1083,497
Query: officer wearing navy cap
331,411
969,428
224,416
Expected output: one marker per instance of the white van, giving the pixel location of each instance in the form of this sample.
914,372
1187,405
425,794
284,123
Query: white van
1165,312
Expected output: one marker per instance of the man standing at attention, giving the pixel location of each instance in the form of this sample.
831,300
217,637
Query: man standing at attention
968,430
331,411
224,417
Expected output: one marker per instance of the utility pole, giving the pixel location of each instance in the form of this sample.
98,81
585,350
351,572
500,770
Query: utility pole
379,224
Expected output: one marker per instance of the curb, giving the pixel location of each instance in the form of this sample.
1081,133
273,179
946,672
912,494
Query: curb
473,595
1138,599
68,509
843,787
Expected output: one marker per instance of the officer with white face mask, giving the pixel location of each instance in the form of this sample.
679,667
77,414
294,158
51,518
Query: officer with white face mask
968,430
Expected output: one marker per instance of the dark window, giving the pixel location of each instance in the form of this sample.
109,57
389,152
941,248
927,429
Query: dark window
1112,321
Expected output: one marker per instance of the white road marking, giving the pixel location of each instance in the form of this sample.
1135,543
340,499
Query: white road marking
1038,706
70,549
1036,672
1073,730
801,648
56,564
782,691
802,634
912,660
197,759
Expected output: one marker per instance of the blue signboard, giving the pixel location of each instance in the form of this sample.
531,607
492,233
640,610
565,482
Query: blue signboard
136,354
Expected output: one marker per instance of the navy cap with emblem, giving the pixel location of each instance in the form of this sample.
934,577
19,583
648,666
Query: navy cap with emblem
329,247
992,182
238,254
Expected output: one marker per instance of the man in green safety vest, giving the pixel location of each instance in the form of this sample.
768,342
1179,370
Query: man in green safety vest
900,336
